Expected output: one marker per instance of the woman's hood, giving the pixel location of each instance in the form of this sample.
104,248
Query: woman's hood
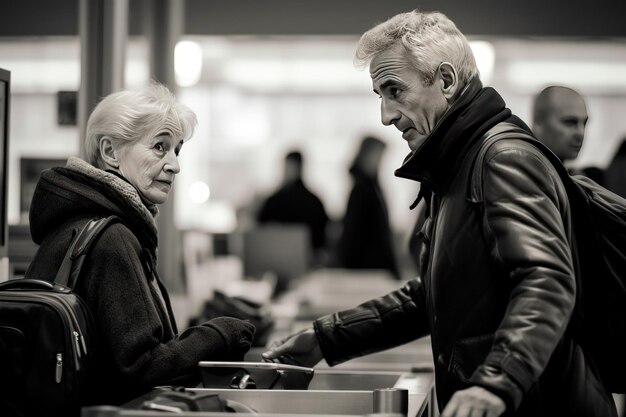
81,190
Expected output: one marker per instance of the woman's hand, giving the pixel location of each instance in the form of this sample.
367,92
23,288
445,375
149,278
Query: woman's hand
237,334
302,346
474,401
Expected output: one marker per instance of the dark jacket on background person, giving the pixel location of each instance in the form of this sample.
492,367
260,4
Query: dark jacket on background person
138,345
498,277
294,203
366,241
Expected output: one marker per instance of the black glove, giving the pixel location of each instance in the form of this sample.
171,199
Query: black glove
237,334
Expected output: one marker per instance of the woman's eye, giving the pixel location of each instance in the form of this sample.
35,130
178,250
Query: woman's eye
394,92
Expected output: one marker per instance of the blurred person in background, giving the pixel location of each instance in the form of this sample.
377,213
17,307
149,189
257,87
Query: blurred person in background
498,285
366,239
294,203
559,121
132,143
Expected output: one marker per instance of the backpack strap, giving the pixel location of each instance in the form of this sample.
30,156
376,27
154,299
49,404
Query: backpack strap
508,130
68,272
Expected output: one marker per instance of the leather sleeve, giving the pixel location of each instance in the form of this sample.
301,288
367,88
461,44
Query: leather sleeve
391,320
526,223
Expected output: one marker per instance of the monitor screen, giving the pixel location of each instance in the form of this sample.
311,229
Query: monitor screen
5,83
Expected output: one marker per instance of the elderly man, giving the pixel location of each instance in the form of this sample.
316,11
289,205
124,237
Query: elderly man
498,276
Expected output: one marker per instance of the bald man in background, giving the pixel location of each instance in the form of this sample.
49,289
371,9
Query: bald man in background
559,120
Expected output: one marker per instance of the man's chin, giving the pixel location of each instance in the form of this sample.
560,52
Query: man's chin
414,144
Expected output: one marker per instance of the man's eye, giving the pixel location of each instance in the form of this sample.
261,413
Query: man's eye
159,147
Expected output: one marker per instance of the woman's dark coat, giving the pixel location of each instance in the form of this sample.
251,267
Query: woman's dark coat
138,345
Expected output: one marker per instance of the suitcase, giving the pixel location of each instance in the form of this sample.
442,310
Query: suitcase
47,337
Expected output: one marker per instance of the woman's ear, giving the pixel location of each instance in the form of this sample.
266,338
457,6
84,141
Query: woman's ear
107,153
449,80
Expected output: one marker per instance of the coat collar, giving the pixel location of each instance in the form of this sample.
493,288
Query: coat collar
475,110
125,190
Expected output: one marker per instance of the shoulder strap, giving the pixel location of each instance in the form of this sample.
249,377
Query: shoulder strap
509,130
68,272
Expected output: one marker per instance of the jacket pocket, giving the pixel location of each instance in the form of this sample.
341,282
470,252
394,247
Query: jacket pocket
356,316
468,354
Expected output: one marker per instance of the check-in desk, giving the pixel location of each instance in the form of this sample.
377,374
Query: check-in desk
409,396
396,382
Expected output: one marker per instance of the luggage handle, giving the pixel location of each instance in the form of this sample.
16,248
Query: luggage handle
27,284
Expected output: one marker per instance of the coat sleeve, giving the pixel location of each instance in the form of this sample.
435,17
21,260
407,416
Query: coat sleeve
127,317
526,222
382,323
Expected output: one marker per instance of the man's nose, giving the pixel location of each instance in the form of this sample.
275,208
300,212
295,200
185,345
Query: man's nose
388,113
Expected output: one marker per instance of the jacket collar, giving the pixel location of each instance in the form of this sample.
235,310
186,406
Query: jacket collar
475,111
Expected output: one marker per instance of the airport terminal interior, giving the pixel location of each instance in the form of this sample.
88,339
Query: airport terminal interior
266,78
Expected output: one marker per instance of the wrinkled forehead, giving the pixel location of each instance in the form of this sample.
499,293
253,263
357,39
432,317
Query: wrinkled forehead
389,62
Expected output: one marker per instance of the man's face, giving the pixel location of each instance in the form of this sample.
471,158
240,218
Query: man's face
406,102
563,128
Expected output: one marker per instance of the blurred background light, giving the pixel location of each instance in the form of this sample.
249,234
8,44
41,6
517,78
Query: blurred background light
535,74
295,75
188,63
485,55
199,192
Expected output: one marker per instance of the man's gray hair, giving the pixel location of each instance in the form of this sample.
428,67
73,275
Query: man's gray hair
430,38
129,116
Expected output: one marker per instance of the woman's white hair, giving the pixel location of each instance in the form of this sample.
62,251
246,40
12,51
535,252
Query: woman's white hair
430,38
128,116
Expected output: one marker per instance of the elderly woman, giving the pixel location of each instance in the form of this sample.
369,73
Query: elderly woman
132,145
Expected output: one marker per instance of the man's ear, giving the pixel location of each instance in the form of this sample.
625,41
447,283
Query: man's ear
449,80
107,152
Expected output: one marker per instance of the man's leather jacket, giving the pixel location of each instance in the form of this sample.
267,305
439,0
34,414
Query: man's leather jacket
498,275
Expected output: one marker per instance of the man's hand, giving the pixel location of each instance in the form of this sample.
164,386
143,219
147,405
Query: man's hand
474,401
302,346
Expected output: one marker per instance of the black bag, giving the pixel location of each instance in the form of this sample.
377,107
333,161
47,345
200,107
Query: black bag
599,222
46,337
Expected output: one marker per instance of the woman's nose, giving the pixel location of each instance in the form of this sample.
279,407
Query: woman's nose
172,165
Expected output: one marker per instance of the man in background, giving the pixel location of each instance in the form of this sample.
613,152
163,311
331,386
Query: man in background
559,121
294,203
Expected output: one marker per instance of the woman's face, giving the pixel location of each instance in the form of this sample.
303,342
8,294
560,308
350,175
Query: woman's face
150,165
